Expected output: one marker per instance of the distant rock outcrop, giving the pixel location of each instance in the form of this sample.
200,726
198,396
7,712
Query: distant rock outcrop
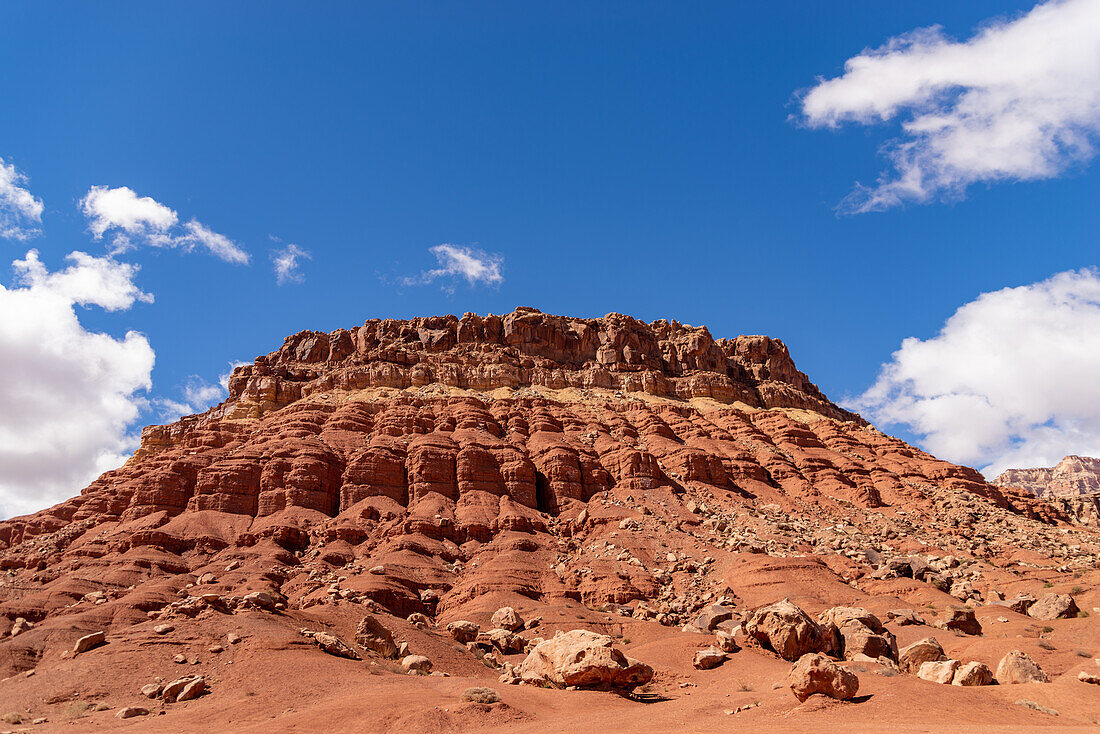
1073,486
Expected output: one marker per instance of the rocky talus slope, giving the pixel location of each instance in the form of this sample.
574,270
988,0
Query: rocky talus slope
1073,486
449,493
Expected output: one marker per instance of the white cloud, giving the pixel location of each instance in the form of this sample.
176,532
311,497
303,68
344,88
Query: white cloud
68,396
286,263
1018,101
475,266
198,396
19,209
1009,382
141,220
199,236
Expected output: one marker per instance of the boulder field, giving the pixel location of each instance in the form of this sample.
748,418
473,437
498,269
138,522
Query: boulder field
538,523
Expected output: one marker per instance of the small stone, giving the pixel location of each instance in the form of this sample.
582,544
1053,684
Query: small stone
417,664
180,659
216,649
151,690
1086,677
709,658
378,570
163,629
1036,706
194,689
87,642
131,711
233,638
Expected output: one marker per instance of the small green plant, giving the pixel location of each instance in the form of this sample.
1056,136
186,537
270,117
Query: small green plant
1047,630
626,640
1077,590
1047,585
744,686
1082,614
1045,645
1082,653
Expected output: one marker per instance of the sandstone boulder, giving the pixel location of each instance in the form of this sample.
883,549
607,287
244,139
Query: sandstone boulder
1019,604
332,644
506,641
962,620
130,712
463,631
585,659
787,630
417,664
855,631
87,642
911,657
1054,606
372,635
938,671
1018,667
815,673
708,658
174,690
725,641
972,674
711,616
507,618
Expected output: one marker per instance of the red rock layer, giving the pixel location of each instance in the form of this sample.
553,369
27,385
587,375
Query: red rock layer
462,494
528,348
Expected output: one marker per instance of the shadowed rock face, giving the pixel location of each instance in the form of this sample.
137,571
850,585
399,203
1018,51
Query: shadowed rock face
460,456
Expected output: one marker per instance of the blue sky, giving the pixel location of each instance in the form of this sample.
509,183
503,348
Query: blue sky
645,158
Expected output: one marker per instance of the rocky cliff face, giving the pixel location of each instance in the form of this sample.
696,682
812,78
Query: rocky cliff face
1073,486
418,466
527,348
1072,477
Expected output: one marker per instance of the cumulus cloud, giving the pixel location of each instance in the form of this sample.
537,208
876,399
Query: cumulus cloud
286,261
20,211
68,395
197,395
1018,101
134,220
474,266
1010,381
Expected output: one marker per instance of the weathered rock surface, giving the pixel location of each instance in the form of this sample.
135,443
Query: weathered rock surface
373,635
938,671
1018,667
912,657
787,630
584,659
816,673
1053,606
855,631
973,674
